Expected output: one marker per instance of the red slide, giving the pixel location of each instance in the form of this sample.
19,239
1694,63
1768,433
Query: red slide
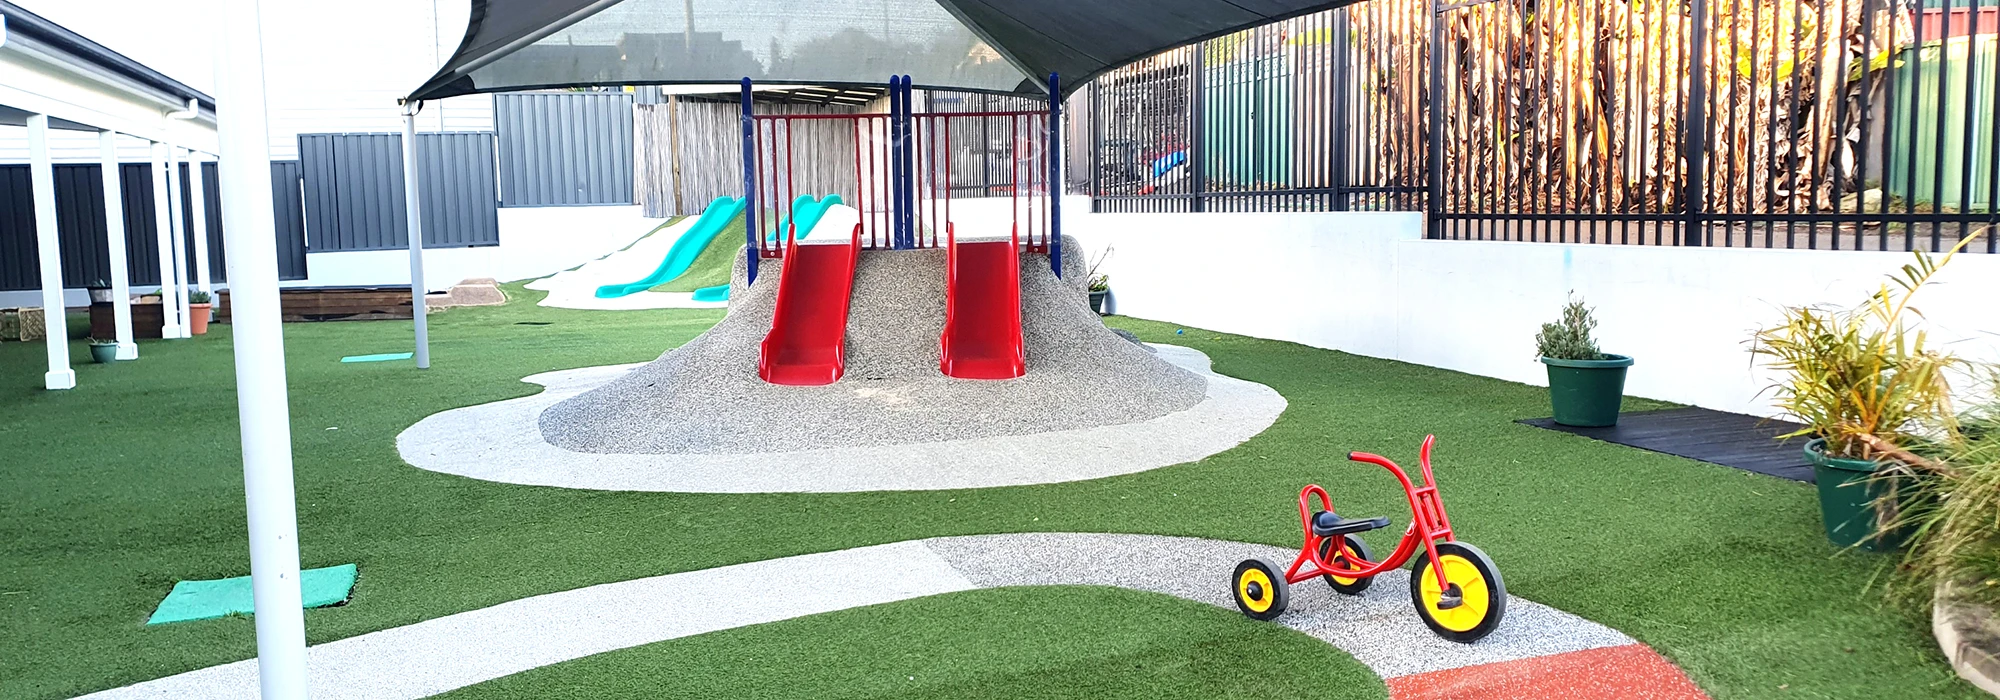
982,311
807,342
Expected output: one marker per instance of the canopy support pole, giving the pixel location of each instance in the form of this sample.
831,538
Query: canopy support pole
262,405
419,311
114,244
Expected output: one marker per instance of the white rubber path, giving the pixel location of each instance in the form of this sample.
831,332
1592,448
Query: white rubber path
1379,628
502,441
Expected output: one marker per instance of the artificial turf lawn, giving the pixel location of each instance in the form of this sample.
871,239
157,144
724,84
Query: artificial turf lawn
712,267
1006,643
131,481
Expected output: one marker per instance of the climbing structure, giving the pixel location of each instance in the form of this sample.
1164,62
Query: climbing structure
902,184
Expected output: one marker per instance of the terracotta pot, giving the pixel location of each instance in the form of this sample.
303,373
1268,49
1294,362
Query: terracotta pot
198,318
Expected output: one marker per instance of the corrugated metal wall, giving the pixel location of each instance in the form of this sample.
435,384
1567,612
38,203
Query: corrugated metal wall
564,149
80,226
354,191
288,193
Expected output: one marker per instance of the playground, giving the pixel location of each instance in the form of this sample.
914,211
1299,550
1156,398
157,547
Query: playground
432,545
860,428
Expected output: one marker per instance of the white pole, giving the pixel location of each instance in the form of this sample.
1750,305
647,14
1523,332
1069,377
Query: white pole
263,409
416,226
163,230
114,231
198,200
42,176
179,228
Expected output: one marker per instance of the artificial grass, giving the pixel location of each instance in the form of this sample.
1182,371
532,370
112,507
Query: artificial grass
1007,643
713,266
131,481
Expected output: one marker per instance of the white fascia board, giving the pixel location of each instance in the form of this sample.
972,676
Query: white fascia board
41,82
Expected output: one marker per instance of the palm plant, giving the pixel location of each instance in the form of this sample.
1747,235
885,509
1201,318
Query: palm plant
1863,379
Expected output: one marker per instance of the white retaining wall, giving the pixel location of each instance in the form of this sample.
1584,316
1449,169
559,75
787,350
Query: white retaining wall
1368,283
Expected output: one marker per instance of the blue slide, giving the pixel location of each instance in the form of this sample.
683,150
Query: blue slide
718,215
805,211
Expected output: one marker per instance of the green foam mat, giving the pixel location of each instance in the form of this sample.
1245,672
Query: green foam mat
384,357
207,600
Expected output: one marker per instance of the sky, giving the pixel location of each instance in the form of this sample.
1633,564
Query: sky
169,36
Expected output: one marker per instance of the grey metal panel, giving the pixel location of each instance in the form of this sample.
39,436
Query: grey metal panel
80,225
564,149
289,202
354,191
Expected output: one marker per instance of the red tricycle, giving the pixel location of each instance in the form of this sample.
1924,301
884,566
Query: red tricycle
1462,599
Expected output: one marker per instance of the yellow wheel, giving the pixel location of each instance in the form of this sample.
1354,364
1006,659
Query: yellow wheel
1351,547
1474,601
1260,589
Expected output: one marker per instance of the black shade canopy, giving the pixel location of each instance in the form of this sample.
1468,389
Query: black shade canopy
980,45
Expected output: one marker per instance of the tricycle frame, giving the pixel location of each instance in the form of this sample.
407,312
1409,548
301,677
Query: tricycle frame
1429,525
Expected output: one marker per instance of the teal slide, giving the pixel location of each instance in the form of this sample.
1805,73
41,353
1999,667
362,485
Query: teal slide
718,215
806,212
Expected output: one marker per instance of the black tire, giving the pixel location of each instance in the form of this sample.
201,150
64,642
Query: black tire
1493,591
1259,589
1359,549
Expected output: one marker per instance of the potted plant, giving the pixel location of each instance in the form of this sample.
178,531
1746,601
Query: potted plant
198,310
1585,386
1868,390
1100,284
100,291
103,352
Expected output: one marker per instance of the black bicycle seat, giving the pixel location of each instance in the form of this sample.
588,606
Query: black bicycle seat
1326,524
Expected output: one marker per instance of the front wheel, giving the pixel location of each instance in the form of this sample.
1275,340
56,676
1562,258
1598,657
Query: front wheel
1477,598
1351,548
1260,589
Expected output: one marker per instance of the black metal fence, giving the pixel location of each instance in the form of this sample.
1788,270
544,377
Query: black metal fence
1813,124
1317,113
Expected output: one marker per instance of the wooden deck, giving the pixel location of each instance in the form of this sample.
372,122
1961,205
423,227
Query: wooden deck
334,304
1728,439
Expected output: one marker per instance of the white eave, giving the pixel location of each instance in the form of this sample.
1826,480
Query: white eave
78,93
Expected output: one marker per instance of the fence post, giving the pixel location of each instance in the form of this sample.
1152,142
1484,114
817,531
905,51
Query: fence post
1198,130
1435,127
1055,185
1096,145
754,248
1695,119
1340,68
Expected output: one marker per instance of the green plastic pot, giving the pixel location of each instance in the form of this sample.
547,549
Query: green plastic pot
1097,300
103,354
1848,494
1586,393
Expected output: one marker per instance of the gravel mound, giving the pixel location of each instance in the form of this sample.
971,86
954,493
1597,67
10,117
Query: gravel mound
705,397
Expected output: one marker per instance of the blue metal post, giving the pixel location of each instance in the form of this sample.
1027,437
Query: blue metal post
896,162
754,251
1055,176
905,220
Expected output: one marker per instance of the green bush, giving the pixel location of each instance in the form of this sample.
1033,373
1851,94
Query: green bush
1569,338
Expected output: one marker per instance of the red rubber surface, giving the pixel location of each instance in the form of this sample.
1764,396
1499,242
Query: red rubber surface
1632,671
806,345
982,327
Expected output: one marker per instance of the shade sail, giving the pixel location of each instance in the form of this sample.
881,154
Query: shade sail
980,45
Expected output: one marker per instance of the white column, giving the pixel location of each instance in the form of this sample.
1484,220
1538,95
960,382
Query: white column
114,231
416,225
179,228
42,176
263,409
163,230
198,199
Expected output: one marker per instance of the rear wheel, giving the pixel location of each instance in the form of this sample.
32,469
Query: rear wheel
1351,548
1260,589
1474,600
